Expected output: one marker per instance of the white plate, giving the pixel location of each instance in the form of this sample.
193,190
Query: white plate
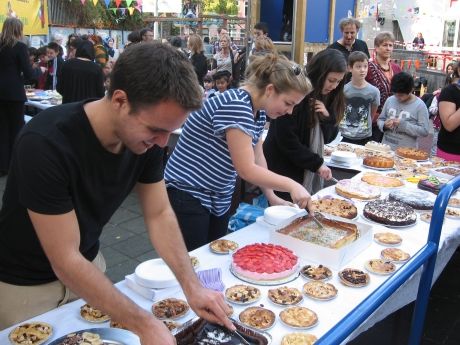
110,335
375,168
275,215
155,274
260,220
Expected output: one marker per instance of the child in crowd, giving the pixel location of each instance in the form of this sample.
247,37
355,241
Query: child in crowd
208,86
222,79
361,102
404,116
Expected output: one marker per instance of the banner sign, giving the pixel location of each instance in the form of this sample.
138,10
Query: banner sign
164,6
32,13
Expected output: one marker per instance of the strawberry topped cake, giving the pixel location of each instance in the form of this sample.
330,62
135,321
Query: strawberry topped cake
264,262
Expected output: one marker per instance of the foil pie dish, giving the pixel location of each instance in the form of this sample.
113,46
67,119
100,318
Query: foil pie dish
199,331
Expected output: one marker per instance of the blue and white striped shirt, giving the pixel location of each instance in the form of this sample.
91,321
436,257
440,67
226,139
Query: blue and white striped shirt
200,163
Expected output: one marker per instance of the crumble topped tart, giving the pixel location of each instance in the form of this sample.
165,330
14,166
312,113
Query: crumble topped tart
337,207
92,314
387,238
319,272
223,246
31,333
258,317
395,255
320,290
285,295
380,266
299,317
242,294
298,339
170,308
354,277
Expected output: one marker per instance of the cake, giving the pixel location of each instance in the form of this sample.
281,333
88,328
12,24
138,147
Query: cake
264,262
201,331
379,162
390,213
375,179
334,234
412,153
373,145
298,339
356,189
417,199
431,184
336,207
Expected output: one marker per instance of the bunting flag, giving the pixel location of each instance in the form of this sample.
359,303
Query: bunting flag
83,2
409,63
95,2
107,3
139,8
123,11
118,2
402,64
128,3
417,64
131,10
139,3
114,10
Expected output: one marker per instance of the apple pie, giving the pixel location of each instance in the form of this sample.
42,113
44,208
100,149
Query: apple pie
387,238
242,294
285,295
258,317
223,246
395,255
354,277
299,317
319,272
298,339
320,290
92,314
337,207
32,333
170,308
379,266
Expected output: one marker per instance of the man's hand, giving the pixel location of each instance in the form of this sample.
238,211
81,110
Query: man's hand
211,306
155,332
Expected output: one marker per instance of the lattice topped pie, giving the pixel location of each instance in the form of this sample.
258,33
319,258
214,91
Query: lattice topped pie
299,317
31,333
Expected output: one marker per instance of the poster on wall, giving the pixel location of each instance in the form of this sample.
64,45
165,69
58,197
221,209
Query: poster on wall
164,6
32,13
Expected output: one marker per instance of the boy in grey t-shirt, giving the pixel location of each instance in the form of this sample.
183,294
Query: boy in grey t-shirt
362,100
404,116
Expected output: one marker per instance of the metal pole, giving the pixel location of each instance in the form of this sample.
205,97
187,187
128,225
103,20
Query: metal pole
294,27
248,29
155,24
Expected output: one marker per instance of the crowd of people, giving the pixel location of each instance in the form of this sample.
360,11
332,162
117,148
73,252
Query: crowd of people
72,166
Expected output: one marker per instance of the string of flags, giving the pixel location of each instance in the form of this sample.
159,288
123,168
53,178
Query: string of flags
130,5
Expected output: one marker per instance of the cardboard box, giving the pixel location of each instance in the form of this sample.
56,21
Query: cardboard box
334,258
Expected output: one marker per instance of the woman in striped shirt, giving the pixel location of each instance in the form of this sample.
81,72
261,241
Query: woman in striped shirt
223,140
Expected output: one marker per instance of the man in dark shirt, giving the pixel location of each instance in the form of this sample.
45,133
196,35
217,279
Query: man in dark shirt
73,165
348,42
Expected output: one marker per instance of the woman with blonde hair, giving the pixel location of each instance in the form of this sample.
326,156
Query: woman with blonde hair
223,140
264,45
14,62
197,58
225,55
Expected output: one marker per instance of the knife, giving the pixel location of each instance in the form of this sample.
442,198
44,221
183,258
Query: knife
333,179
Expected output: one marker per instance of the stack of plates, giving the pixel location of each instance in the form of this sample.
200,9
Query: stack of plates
155,274
274,215
343,157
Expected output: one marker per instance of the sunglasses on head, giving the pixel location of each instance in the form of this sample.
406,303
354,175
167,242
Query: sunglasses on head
295,68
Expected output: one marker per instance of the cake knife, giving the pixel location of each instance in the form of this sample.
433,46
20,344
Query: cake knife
241,337
333,179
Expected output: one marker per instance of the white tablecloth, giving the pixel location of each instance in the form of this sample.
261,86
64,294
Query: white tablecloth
39,105
66,318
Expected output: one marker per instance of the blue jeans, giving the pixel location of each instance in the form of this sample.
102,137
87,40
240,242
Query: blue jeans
198,225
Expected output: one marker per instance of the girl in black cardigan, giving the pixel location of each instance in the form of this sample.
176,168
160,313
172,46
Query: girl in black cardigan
294,143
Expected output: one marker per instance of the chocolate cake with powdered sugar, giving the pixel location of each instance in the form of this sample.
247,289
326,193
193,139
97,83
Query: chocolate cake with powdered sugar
417,199
389,212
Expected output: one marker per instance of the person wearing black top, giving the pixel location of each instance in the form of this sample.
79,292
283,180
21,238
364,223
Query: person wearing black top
197,58
81,78
349,43
14,61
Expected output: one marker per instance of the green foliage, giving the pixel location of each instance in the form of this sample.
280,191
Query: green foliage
229,7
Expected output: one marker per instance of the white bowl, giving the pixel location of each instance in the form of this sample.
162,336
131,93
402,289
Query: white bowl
155,274
343,156
274,215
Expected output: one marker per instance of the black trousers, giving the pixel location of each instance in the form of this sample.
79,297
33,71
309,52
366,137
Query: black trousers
197,224
11,122
377,134
363,141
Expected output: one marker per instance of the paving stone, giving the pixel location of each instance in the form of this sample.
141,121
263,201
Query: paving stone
114,234
113,257
131,199
134,246
135,225
118,272
122,215
147,256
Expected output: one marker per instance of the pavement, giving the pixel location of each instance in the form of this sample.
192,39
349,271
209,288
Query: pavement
125,244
